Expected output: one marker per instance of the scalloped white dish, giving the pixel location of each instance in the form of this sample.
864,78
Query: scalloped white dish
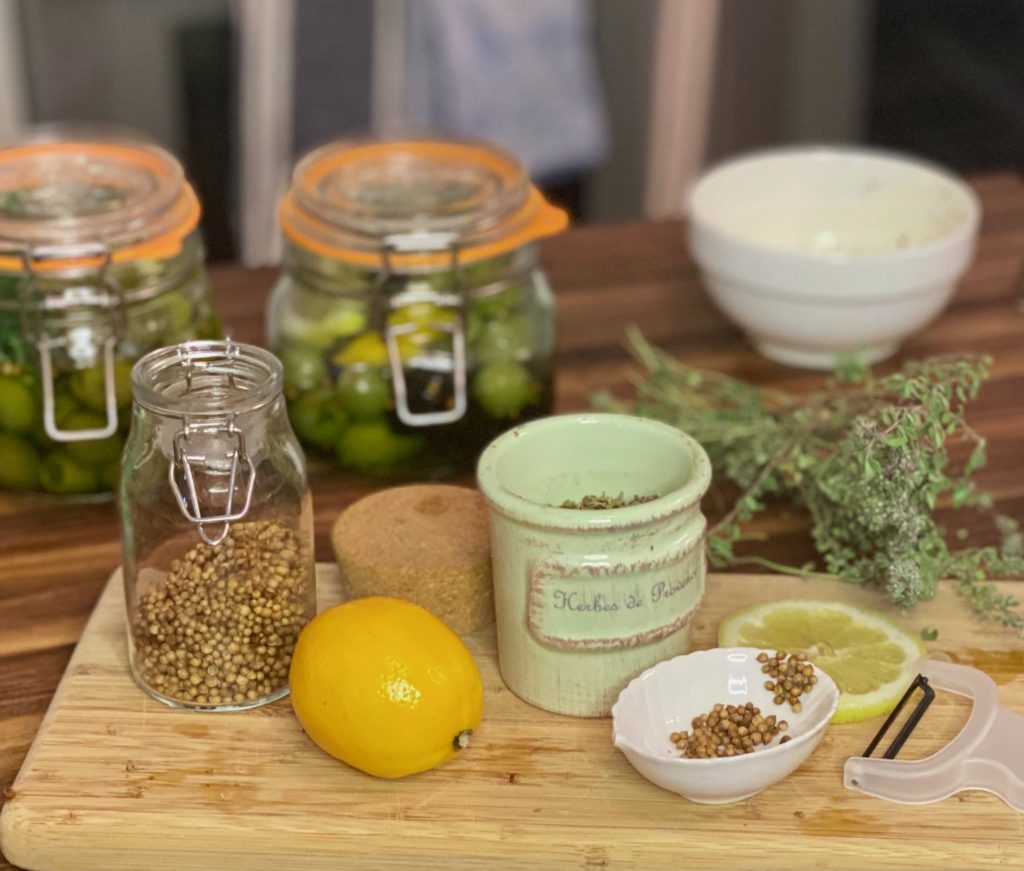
665,698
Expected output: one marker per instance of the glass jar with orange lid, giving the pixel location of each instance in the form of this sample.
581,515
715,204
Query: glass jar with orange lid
100,262
412,317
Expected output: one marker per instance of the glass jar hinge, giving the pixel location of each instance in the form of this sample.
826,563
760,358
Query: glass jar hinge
183,460
181,470
425,242
81,342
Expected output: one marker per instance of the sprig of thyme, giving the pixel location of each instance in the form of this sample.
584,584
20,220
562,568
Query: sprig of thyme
867,457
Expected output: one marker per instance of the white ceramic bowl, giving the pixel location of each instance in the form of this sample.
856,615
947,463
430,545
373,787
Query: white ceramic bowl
664,699
816,251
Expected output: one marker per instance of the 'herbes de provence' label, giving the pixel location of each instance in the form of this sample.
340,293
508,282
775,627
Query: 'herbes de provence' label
581,605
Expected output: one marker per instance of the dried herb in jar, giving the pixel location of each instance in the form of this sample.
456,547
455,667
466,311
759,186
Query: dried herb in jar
604,501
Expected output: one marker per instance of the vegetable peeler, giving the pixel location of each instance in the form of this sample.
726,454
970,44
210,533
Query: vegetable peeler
988,754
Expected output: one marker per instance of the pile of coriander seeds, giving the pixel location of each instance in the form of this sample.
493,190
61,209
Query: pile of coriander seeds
793,676
734,730
729,730
220,627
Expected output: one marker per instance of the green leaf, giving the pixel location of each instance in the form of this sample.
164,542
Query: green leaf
961,494
977,459
865,458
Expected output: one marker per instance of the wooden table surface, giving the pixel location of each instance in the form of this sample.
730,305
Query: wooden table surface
55,559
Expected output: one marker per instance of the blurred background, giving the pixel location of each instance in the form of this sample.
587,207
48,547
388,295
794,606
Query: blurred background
615,105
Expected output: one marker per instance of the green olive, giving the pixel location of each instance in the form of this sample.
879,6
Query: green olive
63,407
484,272
139,271
209,328
18,411
317,418
364,393
304,367
345,274
87,386
324,331
504,389
19,463
497,305
374,447
94,451
507,340
61,473
178,311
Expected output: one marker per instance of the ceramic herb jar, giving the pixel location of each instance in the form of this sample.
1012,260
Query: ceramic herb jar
100,262
217,525
412,317
587,599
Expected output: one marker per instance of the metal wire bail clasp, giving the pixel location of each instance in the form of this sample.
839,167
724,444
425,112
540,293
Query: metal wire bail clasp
425,242
181,470
102,296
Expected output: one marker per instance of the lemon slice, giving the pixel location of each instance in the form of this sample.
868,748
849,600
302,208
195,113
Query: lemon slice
871,658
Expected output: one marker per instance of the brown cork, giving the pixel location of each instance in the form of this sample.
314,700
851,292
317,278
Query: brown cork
428,543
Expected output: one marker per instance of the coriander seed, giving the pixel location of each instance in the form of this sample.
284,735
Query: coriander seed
793,676
219,628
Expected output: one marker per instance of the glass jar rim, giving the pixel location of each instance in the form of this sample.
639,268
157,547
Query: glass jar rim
407,204
72,203
235,378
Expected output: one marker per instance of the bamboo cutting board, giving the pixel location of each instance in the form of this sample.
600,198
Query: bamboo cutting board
115,780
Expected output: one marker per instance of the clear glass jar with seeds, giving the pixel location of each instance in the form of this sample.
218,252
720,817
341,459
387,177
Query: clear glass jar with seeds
217,525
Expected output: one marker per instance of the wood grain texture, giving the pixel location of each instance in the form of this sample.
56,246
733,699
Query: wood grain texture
54,558
118,781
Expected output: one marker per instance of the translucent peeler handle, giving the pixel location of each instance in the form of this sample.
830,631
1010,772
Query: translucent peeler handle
985,755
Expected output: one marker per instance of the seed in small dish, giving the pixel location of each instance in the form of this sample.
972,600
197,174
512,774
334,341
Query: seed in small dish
728,730
790,677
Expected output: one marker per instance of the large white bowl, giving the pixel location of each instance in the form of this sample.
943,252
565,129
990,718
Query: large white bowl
665,699
817,251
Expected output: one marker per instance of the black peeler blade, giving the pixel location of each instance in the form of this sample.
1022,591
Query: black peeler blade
927,695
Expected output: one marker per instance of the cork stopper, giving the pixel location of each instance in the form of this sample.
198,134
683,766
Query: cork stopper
427,543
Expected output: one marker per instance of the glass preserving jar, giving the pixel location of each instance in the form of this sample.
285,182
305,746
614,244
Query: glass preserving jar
217,525
100,262
412,316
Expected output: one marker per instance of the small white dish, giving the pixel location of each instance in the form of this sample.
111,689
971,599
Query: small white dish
817,251
666,698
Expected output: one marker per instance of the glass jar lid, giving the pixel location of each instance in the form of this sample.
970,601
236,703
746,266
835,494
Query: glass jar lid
65,204
412,202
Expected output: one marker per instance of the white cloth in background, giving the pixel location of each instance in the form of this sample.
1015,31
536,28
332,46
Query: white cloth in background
521,73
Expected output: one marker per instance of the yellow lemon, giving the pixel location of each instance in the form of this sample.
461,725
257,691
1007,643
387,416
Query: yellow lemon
385,686
872,659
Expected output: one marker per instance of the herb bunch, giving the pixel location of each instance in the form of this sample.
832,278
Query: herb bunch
867,457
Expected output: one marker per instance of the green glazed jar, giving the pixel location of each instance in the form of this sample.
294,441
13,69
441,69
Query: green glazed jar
100,262
587,600
413,319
